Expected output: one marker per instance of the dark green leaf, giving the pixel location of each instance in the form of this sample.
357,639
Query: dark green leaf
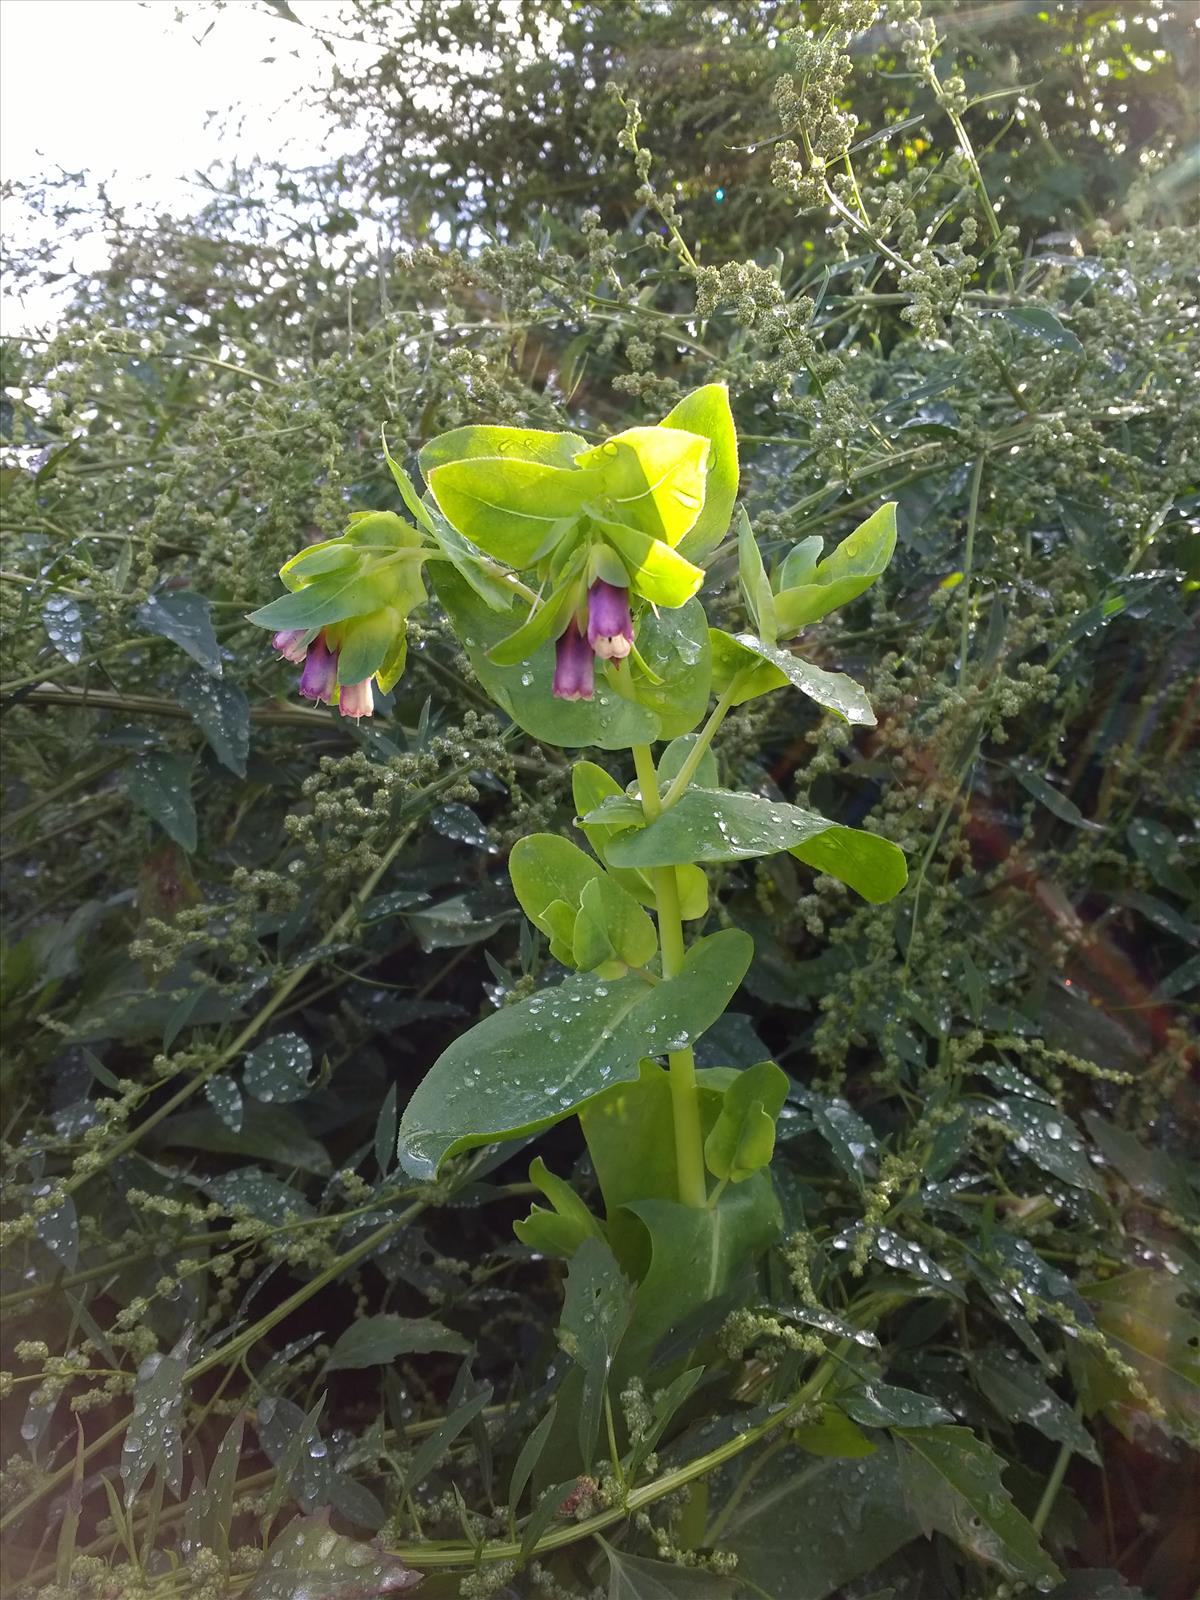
279,1069
183,616
638,1578
161,786
376,1341
595,1315
222,713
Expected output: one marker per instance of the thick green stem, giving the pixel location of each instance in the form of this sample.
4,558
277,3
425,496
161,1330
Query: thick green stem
685,1101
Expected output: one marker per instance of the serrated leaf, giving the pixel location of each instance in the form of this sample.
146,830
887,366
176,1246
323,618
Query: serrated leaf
1020,1394
639,1578
954,1480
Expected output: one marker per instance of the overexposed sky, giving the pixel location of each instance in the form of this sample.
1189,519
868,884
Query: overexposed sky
123,90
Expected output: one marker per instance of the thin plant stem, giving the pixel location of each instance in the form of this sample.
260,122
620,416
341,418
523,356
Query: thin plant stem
705,737
1050,1493
968,563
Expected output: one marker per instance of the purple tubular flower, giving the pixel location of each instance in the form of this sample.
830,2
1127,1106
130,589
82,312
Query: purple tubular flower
574,665
610,626
290,644
356,700
319,678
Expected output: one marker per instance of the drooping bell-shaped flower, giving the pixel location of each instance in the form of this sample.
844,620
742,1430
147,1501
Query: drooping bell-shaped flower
291,644
574,665
610,625
356,699
318,681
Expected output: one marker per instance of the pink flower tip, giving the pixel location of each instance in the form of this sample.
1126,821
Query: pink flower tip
610,625
356,700
290,644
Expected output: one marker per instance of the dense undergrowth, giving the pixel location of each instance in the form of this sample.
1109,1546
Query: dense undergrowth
949,260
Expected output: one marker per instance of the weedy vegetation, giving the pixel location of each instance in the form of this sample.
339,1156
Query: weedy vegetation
667,1068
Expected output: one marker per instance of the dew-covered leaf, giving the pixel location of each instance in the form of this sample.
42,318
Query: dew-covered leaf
153,1440
224,1096
809,1525
892,1250
161,786
58,1230
1040,324
183,616
309,1561
222,713
268,1133
63,621
762,667
279,1069
533,1063
1050,1139
375,1341
849,1138
1021,1394
884,1405
261,1194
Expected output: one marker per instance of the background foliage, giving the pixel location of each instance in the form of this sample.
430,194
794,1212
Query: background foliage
948,259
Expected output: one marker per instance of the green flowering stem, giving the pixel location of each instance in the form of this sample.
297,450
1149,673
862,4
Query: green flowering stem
705,737
685,1101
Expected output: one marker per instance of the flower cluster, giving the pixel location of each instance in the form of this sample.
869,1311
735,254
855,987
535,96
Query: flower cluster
319,680
605,631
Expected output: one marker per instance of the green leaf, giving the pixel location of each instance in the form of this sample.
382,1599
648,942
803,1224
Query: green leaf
843,575
222,713
706,411
656,571
695,1255
850,1139
710,825
268,1133
1050,1139
798,566
1020,1394
1039,323
954,1480
352,592
545,868
608,909
513,510
596,1312
753,581
479,572
161,786
883,1405
768,667
376,1341
279,1068
651,478
528,1458
563,1230
531,1064
153,1439
743,1138
630,1137
224,1096
1053,799
833,1434
674,645
512,444
408,491
809,1526
638,1578
674,756
309,1559
543,624
183,616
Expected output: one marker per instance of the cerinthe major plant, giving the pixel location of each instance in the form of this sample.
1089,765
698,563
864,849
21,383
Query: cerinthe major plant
571,574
